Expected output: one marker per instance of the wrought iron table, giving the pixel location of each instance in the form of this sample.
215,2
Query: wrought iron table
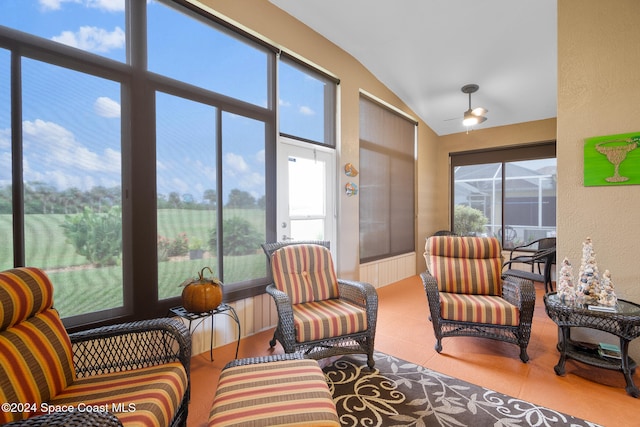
623,323
223,308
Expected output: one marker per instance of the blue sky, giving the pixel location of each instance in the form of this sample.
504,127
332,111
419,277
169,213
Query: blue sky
71,121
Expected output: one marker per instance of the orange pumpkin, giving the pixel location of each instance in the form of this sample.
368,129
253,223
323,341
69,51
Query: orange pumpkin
202,294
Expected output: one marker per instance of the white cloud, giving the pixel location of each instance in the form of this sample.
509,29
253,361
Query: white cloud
106,107
93,39
284,103
235,163
59,147
106,5
306,111
5,138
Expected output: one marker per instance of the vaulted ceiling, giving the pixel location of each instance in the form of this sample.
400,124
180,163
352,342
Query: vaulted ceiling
426,50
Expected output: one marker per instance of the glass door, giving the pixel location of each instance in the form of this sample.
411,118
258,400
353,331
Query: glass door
306,192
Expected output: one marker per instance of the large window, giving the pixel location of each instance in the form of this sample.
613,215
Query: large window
387,189
506,193
306,103
121,180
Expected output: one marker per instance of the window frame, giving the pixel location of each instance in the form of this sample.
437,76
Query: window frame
139,228
505,154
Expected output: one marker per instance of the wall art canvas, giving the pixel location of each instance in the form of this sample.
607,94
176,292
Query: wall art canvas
612,160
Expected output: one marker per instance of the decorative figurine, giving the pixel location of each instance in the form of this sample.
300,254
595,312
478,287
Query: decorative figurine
588,290
350,170
351,189
566,290
607,295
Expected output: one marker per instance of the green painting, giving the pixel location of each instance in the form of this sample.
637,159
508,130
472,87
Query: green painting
612,160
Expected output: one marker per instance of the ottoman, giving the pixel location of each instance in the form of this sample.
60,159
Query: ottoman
282,390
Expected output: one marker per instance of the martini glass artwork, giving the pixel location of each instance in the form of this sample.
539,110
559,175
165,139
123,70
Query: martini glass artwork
616,151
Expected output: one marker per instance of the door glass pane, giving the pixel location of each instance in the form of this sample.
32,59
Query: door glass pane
93,26
478,200
243,185
530,200
6,221
72,185
307,198
186,190
202,55
307,193
307,229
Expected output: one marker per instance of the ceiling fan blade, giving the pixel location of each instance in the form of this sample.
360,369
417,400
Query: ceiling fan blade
448,120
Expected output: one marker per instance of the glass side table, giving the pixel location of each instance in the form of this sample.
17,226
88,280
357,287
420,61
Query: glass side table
623,323
223,308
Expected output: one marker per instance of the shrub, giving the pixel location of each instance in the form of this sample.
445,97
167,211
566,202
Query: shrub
178,246
468,221
96,236
163,248
240,237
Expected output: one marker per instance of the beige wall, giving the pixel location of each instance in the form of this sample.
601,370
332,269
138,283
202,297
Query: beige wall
598,94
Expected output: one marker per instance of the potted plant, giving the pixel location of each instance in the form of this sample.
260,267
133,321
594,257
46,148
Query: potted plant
196,249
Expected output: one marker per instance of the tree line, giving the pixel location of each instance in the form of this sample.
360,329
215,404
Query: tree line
43,198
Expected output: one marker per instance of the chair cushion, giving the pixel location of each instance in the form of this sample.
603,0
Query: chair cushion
466,265
283,393
326,319
478,309
24,292
143,397
35,351
305,273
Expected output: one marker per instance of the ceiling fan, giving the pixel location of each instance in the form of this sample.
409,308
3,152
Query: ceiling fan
472,116
475,116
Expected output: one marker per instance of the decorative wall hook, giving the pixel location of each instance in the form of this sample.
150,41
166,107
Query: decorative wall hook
350,170
351,189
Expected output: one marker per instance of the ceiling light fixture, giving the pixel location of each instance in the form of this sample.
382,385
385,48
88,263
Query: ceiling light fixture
475,116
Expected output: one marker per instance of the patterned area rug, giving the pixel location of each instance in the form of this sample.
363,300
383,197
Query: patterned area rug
399,393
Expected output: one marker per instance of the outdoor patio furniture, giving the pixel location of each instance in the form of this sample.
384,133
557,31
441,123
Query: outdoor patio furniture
468,297
319,315
138,372
283,389
542,254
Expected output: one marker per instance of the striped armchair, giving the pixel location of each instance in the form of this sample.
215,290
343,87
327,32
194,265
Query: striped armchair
319,315
468,297
128,374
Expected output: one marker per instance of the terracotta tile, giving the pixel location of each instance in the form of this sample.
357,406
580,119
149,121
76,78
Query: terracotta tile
404,331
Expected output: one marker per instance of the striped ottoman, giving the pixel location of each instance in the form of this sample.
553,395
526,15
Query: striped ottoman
283,390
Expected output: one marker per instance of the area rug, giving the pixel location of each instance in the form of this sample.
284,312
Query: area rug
399,393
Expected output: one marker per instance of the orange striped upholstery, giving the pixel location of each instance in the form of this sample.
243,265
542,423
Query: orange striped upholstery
325,319
466,265
35,351
36,364
282,393
305,273
24,292
155,393
478,309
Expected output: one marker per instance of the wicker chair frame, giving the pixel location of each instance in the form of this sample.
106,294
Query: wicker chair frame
117,348
360,294
517,291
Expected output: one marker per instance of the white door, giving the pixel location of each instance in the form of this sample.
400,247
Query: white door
306,192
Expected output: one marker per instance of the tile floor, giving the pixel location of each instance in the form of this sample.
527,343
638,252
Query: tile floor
404,330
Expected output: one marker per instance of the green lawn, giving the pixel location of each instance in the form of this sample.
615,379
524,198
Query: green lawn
83,288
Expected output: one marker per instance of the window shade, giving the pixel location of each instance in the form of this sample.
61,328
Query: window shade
387,190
